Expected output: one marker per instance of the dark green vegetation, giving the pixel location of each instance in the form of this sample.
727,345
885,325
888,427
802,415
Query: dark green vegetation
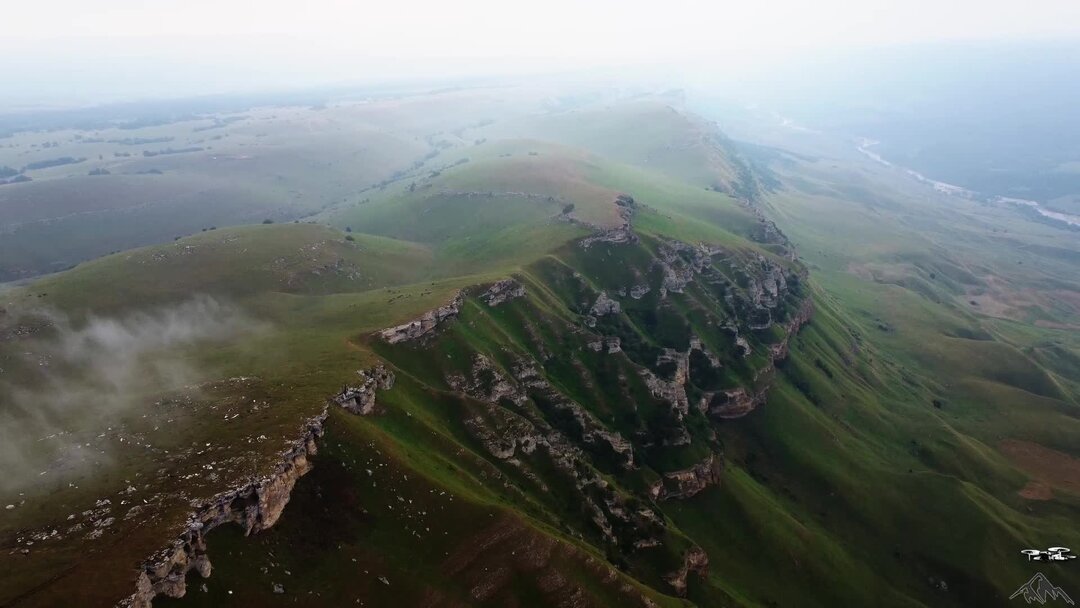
658,415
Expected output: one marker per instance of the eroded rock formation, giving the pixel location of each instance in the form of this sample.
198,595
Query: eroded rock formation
503,291
623,233
695,560
486,383
604,306
517,437
738,402
360,399
690,481
609,344
680,262
425,324
254,506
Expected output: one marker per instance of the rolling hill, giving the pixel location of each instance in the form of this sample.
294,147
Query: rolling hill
596,356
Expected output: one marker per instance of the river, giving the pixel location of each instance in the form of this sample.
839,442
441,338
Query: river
865,144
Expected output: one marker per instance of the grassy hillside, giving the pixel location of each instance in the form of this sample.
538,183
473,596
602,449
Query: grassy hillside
648,133
681,406
136,186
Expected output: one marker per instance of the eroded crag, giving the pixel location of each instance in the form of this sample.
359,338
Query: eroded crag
599,383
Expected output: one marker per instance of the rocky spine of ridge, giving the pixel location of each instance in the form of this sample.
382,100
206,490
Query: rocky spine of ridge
623,233
254,506
695,560
360,400
690,481
502,291
515,436
739,402
766,285
530,422
426,324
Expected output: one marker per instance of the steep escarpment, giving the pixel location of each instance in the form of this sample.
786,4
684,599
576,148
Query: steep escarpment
254,506
688,482
360,399
596,389
425,324
591,382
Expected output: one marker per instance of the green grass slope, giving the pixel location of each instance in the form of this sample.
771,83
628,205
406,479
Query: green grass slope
897,448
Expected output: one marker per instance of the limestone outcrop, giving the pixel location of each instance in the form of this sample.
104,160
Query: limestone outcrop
425,324
502,291
609,344
623,233
695,560
360,399
486,383
690,481
604,305
681,262
516,436
738,402
254,506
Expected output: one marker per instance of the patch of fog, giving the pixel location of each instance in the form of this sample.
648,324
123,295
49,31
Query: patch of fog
85,377
864,146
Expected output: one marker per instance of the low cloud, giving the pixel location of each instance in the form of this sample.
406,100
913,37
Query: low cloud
81,377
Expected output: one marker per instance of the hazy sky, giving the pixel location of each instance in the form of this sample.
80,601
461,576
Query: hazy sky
70,49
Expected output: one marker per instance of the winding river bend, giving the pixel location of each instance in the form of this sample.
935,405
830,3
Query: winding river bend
864,146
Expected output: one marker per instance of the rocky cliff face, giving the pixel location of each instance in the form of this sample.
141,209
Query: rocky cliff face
424,325
738,402
640,359
523,438
696,561
503,291
621,234
688,482
254,506
651,342
360,399
534,406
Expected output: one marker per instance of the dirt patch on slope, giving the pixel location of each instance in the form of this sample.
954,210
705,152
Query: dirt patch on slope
1037,490
503,558
1049,468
